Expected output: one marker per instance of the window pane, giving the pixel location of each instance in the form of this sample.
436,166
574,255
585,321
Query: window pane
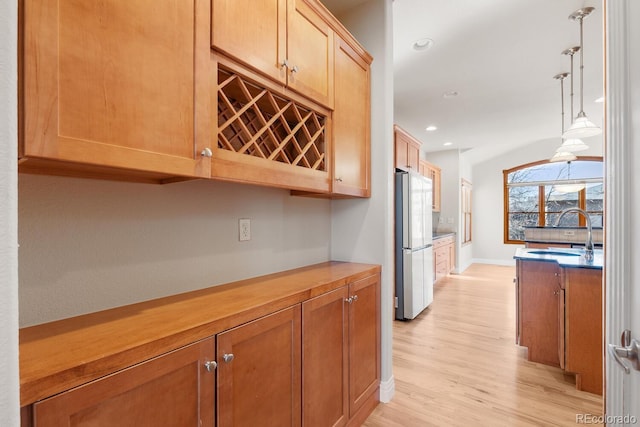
517,223
523,199
569,220
595,197
557,202
578,169
596,220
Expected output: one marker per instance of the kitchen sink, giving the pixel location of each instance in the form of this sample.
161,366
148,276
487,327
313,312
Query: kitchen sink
553,253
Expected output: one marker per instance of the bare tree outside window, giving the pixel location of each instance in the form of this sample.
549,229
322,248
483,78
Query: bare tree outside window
532,196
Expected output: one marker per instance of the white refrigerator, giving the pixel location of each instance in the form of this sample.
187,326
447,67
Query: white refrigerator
413,244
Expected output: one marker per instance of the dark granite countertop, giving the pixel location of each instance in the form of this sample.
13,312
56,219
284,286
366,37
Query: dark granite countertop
574,258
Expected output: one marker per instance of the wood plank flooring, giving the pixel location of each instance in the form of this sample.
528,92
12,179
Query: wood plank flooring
457,363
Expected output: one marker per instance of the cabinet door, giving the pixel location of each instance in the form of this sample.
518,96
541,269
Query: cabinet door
259,372
364,341
413,156
253,32
171,390
351,124
325,389
309,53
401,149
113,83
539,284
584,340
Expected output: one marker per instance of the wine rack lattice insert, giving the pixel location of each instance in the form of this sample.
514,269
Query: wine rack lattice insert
256,122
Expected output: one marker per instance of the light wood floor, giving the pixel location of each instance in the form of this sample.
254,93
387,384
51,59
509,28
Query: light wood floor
457,363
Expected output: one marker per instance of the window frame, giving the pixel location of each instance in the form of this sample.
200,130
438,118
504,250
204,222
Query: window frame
541,197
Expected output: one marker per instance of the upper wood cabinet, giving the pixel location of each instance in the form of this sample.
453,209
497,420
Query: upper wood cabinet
351,123
114,83
434,172
174,389
283,39
407,150
259,372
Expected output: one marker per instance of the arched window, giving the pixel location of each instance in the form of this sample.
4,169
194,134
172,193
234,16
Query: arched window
536,193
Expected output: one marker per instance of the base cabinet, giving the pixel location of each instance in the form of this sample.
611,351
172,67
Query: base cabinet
539,286
174,390
311,361
341,354
259,372
444,256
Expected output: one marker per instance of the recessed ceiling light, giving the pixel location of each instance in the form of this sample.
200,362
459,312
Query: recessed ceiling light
446,144
431,128
422,44
601,99
450,94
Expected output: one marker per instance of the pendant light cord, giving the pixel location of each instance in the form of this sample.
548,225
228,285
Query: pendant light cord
581,69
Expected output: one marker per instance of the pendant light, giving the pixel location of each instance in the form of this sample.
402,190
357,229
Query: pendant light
582,127
562,156
572,145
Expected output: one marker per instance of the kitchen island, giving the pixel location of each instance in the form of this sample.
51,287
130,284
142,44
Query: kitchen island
559,311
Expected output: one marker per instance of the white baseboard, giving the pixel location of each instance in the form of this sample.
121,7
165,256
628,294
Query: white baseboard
387,390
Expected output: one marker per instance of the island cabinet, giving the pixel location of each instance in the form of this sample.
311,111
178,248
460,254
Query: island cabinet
583,343
539,315
407,150
110,89
286,40
300,347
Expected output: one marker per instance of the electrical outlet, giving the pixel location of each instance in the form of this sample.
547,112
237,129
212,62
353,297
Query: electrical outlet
244,229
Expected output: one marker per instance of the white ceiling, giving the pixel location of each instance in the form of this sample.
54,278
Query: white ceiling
500,56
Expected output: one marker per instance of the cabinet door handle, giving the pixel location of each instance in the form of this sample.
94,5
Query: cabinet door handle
210,365
227,357
206,152
339,179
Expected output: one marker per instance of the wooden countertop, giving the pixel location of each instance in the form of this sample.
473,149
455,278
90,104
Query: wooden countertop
60,355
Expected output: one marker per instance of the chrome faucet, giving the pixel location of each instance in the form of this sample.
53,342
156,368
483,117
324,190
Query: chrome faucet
588,246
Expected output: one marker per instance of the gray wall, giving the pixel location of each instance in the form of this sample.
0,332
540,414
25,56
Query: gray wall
88,245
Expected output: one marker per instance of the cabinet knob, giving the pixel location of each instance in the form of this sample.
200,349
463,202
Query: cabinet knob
210,365
284,64
355,298
294,69
339,179
349,300
206,152
227,357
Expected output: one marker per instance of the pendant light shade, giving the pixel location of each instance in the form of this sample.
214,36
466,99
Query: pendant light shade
582,127
573,145
563,156
568,188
